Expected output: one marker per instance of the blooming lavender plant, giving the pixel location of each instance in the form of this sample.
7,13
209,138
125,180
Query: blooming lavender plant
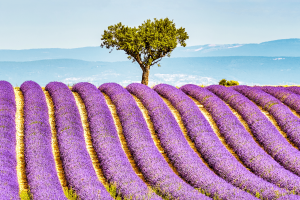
149,160
114,163
285,96
240,140
190,167
286,120
294,89
76,161
9,187
40,166
213,151
265,132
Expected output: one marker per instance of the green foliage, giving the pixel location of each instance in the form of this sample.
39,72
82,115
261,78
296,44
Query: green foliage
223,82
228,83
70,194
147,44
153,39
25,195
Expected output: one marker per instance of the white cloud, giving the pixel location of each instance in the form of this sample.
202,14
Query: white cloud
199,49
278,58
181,79
235,46
212,45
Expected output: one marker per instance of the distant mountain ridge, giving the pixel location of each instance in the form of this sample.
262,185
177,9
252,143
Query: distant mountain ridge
249,70
276,48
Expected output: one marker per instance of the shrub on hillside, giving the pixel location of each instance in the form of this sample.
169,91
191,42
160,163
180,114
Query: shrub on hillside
228,83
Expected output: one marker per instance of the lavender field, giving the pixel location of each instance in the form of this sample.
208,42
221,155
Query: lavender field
193,142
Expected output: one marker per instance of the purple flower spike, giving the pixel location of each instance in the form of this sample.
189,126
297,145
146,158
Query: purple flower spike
294,89
76,161
285,96
286,120
190,166
114,163
40,166
138,137
9,186
240,140
210,147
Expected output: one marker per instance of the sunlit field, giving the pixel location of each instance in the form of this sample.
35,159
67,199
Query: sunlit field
159,142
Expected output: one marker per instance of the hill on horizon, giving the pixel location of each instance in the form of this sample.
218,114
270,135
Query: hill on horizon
249,70
283,47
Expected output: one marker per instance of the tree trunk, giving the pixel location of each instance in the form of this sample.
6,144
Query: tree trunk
145,76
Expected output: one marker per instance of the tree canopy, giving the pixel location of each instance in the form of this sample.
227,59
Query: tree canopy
147,44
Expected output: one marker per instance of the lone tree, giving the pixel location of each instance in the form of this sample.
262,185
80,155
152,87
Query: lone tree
152,39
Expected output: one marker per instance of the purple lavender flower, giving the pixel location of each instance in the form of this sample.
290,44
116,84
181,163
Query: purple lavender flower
188,164
286,120
149,160
114,163
210,147
285,96
294,89
9,186
265,132
76,161
240,140
40,166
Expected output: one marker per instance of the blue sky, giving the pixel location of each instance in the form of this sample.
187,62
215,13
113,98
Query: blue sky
27,24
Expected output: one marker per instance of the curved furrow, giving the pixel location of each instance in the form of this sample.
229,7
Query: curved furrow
9,186
122,139
153,133
242,142
186,161
77,164
285,96
267,134
55,148
179,121
152,164
212,150
287,121
104,142
294,89
40,167
21,172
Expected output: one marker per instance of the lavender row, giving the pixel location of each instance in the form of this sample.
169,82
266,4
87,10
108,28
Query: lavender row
240,140
114,163
265,132
286,120
76,161
213,151
190,167
9,187
285,96
40,166
149,160
294,89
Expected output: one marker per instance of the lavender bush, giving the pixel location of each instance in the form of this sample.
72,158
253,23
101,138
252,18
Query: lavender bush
76,161
9,187
40,166
114,163
285,96
294,89
190,167
240,140
286,120
213,151
149,160
265,132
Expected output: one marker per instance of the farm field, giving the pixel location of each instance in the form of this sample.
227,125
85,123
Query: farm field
164,142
